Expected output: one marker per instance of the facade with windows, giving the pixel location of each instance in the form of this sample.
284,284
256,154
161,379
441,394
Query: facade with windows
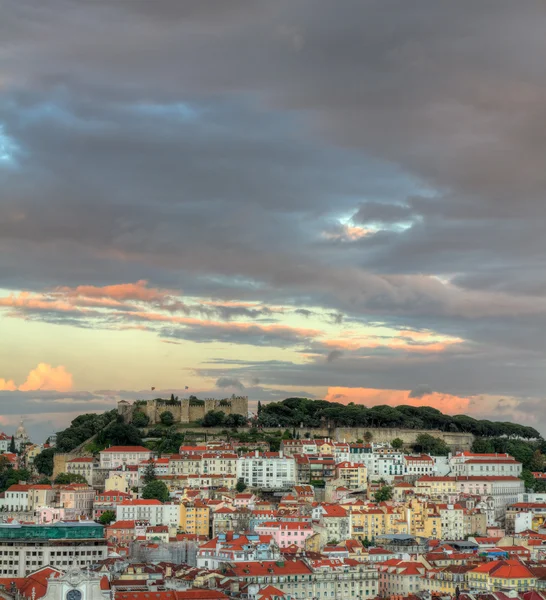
26,548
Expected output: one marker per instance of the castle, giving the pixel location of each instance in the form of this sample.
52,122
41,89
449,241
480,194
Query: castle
186,410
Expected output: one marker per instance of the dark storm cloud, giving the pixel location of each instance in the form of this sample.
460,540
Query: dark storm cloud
227,382
334,355
209,146
420,391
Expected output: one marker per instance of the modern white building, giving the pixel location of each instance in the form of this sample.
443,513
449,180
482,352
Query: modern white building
26,548
271,470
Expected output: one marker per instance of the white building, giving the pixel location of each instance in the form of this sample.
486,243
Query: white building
267,470
152,511
5,441
26,548
472,464
21,437
83,466
453,523
236,548
87,583
16,498
389,465
503,489
419,465
117,456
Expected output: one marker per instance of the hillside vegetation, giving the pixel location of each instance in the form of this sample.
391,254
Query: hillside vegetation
318,413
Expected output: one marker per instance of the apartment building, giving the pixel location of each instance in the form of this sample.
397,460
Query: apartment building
118,456
270,470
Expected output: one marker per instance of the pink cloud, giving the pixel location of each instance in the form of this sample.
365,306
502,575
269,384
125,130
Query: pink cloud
446,403
121,291
43,377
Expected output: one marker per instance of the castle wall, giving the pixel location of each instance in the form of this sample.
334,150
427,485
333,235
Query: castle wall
184,412
195,413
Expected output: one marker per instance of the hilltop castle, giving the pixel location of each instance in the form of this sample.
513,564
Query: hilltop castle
186,410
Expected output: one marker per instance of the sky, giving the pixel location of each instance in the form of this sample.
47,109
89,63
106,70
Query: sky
341,200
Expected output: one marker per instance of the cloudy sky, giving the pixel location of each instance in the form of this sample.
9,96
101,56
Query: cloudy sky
333,199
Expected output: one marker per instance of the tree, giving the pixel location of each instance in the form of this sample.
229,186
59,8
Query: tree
119,434
528,479
431,445
259,407
44,481
537,461
156,490
235,421
107,517
43,462
214,418
68,478
397,443
241,485
166,418
149,473
383,494
368,436
140,419
12,445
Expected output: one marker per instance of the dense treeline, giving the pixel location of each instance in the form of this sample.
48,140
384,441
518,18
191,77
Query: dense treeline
82,428
316,413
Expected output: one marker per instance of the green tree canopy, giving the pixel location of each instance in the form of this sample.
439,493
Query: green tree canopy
156,490
149,473
241,485
214,418
314,413
166,418
397,443
107,517
140,419
431,445
383,494
43,462
82,428
68,478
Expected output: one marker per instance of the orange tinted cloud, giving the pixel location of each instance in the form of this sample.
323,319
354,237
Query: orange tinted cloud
43,377
373,397
7,385
396,343
121,291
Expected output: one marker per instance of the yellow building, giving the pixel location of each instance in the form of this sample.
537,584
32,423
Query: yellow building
194,517
424,519
498,575
31,453
367,522
116,483
435,486
353,475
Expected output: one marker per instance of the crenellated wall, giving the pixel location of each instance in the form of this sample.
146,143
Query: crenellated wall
186,410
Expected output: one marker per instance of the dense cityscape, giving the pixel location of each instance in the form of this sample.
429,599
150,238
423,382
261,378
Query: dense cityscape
253,512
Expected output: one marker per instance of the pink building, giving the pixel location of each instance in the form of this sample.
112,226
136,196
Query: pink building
286,533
